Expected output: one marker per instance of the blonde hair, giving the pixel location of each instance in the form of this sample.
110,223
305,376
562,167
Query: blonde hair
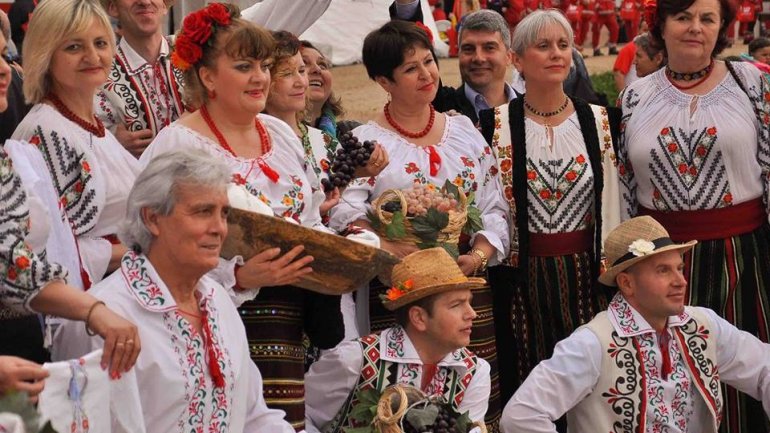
52,22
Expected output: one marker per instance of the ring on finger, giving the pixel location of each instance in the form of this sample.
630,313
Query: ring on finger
129,341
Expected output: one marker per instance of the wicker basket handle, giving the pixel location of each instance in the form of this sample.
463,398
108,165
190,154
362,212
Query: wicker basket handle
386,197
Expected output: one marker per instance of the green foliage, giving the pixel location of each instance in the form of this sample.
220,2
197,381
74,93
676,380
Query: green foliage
18,403
605,83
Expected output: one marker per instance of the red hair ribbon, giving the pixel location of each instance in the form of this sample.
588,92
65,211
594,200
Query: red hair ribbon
435,160
650,11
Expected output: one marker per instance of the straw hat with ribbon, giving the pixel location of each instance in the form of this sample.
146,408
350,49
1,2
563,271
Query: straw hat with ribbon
633,241
424,273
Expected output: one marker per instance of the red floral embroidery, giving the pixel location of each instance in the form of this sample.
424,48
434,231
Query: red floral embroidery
12,274
467,161
411,168
672,147
531,175
701,151
34,140
712,131
580,159
570,176
506,165
508,193
682,168
664,131
86,166
545,194
728,198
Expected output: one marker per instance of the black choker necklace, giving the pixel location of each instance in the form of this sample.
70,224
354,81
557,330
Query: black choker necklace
690,76
549,113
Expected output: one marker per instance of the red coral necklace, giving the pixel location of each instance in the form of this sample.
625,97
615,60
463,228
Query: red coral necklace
96,128
264,137
406,133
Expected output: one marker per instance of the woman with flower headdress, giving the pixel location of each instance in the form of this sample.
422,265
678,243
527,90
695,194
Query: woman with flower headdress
427,149
695,155
70,46
226,62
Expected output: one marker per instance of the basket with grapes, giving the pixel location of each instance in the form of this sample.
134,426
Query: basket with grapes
406,409
426,216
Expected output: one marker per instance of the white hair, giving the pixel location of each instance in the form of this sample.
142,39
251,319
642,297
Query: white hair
157,187
530,28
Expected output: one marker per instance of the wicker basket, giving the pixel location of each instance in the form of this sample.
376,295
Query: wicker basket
394,402
450,234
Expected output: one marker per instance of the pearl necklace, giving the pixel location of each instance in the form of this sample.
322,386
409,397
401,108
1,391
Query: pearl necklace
406,133
264,137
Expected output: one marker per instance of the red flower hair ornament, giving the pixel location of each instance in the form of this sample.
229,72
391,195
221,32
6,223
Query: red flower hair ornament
650,11
425,28
198,29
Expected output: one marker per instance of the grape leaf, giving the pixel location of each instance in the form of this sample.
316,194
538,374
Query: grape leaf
366,407
464,422
450,248
396,229
452,189
424,417
427,227
470,198
374,220
473,223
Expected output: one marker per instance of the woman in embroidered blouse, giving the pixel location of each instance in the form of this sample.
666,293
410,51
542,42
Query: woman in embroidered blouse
399,57
695,155
553,152
229,82
70,46
29,282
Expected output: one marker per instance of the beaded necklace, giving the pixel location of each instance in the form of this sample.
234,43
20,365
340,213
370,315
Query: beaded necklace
406,133
700,76
546,113
96,128
264,137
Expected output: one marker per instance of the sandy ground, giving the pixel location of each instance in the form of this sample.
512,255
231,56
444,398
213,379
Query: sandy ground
362,97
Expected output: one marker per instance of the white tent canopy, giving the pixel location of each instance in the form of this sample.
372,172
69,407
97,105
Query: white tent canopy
340,32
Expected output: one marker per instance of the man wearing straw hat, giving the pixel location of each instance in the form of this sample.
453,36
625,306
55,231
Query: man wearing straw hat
648,363
431,299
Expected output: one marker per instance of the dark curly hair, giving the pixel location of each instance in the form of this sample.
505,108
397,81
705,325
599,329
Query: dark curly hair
667,8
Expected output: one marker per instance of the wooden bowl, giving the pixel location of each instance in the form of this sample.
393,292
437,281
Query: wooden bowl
339,266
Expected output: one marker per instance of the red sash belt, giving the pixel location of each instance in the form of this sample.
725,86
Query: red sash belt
709,224
560,244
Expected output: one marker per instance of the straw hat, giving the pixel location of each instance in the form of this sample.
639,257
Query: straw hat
633,241
424,273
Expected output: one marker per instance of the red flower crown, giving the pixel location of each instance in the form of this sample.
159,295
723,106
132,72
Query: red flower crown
198,29
425,28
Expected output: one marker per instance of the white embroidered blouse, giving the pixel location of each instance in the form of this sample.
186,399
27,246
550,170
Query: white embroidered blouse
92,177
558,384
466,161
171,379
332,378
718,156
560,179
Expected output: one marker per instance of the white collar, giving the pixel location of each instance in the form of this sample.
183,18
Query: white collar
629,323
147,288
395,346
133,61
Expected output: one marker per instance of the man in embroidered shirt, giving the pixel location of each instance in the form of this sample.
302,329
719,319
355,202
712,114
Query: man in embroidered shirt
648,363
142,93
484,57
431,298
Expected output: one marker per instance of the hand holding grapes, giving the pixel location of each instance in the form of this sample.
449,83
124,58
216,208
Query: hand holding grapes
332,198
377,162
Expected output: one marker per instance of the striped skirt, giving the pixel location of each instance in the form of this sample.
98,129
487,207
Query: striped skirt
275,323
562,295
482,339
732,277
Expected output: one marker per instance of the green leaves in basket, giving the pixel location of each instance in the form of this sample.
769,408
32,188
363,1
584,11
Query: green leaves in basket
396,229
365,410
473,223
464,422
422,417
427,227
452,189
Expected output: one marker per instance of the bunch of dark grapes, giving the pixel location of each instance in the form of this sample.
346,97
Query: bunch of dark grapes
446,422
350,155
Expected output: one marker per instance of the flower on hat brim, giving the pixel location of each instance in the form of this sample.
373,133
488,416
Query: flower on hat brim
641,247
396,292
